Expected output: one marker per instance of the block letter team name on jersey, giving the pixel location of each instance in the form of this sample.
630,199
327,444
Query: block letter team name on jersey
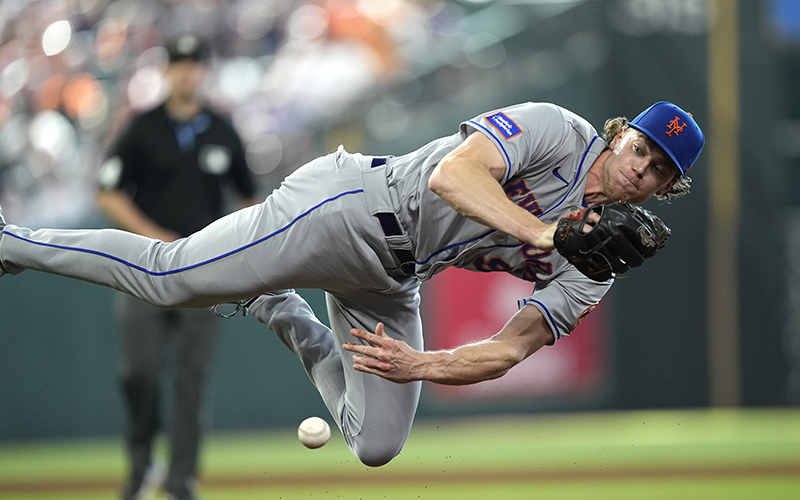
534,257
504,125
534,263
527,200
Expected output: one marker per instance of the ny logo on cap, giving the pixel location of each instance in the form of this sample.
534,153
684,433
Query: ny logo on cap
675,126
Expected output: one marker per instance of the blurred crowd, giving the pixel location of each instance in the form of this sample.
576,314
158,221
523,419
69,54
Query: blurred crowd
71,71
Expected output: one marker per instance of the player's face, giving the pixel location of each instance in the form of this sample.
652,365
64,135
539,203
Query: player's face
635,171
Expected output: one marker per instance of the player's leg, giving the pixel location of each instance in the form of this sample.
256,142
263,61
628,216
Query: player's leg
142,341
377,414
195,339
290,317
206,268
282,243
374,415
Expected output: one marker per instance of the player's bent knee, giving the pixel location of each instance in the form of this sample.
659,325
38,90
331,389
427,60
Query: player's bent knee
376,459
375,453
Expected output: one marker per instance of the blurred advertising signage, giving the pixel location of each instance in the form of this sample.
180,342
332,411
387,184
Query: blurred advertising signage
462,307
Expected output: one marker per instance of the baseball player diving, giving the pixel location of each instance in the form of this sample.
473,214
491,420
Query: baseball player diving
530,189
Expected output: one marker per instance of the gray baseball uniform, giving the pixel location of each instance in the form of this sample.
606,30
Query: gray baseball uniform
333,225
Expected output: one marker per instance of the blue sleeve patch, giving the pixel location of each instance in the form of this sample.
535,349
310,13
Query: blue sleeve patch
504,125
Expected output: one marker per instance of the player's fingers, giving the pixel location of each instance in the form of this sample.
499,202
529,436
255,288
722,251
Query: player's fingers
372,363
364,350
365,369
368,336
378,353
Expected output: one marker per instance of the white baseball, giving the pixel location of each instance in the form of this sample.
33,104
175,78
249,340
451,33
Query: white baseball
314,432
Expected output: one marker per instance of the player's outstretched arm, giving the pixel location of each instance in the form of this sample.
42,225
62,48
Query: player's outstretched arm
525,333
468,179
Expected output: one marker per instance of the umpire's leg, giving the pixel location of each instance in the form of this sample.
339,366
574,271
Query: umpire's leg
196,336
142,344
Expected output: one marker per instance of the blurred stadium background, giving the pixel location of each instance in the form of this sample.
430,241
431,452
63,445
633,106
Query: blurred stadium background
713,323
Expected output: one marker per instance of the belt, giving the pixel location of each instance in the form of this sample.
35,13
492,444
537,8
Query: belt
391,227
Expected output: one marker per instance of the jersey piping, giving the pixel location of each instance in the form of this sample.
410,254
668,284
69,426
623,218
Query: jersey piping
547,311
488,133
448,247
577,176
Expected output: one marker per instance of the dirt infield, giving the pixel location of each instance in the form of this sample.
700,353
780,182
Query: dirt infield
387,478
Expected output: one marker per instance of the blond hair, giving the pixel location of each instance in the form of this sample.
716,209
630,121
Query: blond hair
614,126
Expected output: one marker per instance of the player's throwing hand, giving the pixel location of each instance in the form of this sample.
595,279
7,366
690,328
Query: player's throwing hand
386,357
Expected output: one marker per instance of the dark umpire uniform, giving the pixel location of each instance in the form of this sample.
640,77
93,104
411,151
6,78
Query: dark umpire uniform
174,173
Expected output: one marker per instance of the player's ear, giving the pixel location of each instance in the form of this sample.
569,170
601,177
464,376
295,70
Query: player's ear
676,174
617,137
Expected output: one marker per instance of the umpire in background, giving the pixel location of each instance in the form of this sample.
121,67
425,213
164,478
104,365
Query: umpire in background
164,179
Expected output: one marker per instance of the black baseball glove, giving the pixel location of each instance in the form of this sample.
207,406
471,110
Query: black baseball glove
623,238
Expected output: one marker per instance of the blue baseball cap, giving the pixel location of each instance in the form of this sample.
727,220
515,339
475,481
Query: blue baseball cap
674,130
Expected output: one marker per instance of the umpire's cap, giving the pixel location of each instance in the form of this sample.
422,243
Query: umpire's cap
674,130
188,46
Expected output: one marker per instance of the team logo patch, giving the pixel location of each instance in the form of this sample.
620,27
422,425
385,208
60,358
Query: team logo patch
504,125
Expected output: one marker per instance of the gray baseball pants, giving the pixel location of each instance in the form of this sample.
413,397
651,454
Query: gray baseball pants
318,230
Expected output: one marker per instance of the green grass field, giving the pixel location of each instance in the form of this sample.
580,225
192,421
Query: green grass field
752,454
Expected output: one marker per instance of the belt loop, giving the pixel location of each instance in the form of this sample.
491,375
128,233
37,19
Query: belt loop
389,224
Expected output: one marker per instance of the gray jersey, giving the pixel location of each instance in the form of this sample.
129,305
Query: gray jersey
548,151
